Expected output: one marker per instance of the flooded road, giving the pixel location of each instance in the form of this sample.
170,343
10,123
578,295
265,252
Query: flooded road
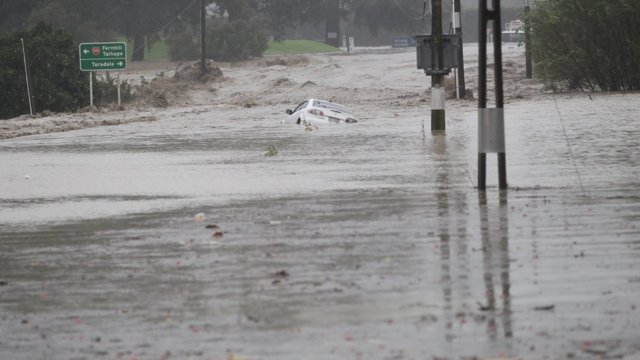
182,239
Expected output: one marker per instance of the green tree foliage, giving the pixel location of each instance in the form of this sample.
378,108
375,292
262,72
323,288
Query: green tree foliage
84,20
231,40
235,31
587,44
143,20
392,14
283,14
183,46
105,91
14,14
58,84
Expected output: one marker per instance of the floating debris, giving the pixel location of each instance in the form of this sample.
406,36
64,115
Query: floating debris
272,150
199,217
281,274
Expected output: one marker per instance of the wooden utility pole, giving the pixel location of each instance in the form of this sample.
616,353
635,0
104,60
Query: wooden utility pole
457,25
437,79
527,40
203,39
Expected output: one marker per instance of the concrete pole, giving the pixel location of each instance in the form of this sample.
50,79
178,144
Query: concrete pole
457,25
437,80
527,40
203,39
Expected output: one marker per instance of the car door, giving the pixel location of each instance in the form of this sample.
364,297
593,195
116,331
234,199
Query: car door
296,114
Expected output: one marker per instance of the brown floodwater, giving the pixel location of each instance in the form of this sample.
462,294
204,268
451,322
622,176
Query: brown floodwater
366,241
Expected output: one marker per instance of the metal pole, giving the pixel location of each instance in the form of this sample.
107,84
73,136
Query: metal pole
437,80
118,86
497,55
527,40
457,25
203,39
26,75
491,121
482,89
91,88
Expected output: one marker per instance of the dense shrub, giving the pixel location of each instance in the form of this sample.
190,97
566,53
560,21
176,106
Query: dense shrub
58,83
227,40
105,91
240,39
183,46
587,44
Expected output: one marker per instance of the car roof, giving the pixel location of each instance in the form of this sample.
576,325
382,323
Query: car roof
325,102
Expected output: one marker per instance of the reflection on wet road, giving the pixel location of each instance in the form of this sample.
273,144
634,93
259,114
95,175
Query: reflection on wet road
363,242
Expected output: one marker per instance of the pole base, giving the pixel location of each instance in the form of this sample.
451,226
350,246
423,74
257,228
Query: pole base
438,120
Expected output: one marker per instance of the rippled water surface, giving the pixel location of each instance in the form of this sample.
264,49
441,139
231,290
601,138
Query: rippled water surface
367,241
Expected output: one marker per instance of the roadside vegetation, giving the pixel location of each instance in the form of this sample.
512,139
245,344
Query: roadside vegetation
298,47
588,45
57,84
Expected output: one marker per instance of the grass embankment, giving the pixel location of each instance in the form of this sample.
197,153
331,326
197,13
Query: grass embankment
159,50
298,47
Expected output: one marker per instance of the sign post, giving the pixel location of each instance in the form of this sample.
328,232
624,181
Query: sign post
102,56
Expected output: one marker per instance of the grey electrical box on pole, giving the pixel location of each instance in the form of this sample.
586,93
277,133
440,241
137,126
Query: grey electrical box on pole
424,45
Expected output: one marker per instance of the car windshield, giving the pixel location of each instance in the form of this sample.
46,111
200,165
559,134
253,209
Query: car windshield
332,106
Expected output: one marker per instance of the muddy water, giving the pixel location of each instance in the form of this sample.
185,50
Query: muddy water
353,242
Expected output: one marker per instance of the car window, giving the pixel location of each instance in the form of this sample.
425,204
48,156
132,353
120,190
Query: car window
331,105
301,106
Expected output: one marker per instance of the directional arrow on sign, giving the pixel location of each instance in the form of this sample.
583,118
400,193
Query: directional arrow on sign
102,56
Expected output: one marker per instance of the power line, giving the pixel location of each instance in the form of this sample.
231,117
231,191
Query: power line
573,159
407,13
169,23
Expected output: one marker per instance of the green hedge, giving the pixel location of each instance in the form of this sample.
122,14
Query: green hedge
58,83
587,44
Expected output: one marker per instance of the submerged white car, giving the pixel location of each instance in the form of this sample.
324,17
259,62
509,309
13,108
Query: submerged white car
315,112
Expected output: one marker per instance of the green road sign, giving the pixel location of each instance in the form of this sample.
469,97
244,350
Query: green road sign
103,56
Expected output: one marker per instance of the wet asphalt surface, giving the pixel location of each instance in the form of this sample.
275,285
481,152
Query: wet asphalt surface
180,239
